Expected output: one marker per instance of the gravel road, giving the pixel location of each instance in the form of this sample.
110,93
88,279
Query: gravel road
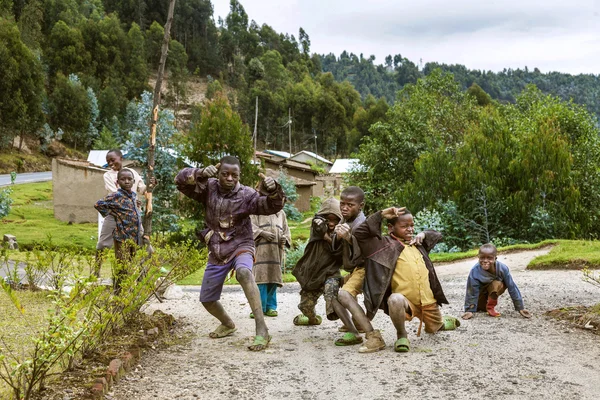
497,358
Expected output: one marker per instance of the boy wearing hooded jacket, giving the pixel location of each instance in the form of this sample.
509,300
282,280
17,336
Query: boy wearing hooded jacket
318,270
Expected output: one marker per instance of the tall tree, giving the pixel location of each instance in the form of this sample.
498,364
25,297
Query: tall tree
21,85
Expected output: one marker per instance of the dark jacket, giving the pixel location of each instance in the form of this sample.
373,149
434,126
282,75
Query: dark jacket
319,262
381,254
351,255
228,230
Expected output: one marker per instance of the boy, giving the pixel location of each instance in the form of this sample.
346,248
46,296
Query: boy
271,236
121,205
352,200
318,270
228,235
400,277
488,279
106,226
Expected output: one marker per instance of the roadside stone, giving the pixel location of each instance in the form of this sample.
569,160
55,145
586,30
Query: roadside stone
11,241
173,292
115,369
152,332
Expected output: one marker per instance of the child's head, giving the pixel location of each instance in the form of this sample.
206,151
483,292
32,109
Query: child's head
352,200
114,159
229,173
402,226
487,256
332,221
125,179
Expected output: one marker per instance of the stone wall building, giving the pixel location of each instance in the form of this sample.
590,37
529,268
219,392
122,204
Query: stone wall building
76,186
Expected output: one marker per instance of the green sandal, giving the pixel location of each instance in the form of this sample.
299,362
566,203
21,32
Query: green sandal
349,339
303,320
271,313
260,343
450,323
221,332
402,345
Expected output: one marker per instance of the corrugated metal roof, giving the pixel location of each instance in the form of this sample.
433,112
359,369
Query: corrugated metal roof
344,165
313,155
278,153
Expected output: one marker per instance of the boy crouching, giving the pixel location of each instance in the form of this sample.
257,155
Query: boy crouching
400,278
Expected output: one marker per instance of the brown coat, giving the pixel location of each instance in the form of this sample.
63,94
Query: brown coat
270,256
381,254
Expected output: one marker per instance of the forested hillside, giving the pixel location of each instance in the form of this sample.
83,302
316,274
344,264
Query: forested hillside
71,69
384,80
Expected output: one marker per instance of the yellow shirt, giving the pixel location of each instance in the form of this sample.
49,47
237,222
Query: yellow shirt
411,277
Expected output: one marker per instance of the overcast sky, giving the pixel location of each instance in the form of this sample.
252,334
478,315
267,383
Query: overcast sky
481,34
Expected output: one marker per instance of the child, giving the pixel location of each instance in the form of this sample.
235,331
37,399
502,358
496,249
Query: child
488,279
351,204
228,235
318,270
400,277
106,226
121,205
271,236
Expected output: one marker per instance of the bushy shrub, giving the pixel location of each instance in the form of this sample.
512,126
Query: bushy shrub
293,254
85,312
289,188
5,202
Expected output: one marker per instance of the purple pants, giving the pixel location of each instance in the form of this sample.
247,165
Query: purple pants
214,276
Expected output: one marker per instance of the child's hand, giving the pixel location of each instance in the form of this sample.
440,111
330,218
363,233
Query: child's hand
269,236
389,213
393,212
210,171
467,315
343,231
417,239
268,182
525,313
282,241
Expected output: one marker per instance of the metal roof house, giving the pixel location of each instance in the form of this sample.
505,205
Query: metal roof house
309,157
344,165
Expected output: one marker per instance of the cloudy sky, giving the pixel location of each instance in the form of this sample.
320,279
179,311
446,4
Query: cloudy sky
481,34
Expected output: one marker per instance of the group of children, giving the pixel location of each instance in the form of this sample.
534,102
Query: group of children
346,255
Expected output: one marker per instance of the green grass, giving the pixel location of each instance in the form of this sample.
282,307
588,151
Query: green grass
196,279
22,162
16,329
31,220
449,257
569,254
301,229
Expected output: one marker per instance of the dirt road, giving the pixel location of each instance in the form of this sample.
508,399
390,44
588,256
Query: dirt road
504,358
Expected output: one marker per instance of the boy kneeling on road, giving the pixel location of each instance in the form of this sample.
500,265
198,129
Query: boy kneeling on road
400,278
488,279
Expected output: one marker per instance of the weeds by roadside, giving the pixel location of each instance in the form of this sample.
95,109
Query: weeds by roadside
84,312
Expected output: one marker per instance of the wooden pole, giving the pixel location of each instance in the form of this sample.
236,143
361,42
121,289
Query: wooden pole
255,134
290,129
154,119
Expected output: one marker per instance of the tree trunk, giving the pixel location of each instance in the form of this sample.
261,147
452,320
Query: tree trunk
154,120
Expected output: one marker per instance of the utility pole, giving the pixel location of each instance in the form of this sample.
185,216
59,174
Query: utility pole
255,134
290,128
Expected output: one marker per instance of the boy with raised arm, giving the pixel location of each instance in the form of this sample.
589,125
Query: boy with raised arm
228,235
400,278
352,200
